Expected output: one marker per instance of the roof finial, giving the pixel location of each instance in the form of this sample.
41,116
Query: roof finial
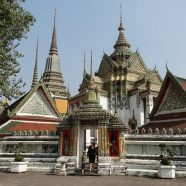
91,64
35,75
53,47
155,67
84,68
121,41
167,66
121,19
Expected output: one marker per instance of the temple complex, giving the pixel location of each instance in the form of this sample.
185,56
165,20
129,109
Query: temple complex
124,83
123,109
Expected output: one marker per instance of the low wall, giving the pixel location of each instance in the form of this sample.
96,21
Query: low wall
144,144
32,144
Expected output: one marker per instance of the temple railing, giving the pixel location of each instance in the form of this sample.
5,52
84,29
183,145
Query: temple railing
156,131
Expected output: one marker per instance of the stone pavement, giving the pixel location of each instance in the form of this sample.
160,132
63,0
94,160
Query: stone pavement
45,179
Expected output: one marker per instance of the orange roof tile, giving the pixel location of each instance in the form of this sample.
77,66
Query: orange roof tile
34,126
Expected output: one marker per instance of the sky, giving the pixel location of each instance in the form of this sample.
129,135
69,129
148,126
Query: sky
156,27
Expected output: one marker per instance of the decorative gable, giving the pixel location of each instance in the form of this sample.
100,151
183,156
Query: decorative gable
174,100
37,105
137,66
155,78
104,67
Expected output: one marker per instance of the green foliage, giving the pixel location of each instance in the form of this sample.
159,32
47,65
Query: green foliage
20,148
165,162
15,22
165,155
19,157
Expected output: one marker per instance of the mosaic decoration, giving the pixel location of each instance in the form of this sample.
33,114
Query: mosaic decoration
175,99
104,67
37,105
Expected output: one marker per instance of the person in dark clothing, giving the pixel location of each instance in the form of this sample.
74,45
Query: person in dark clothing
91,154
96,149
83,159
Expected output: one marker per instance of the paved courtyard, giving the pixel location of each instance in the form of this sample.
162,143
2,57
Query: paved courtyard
44,179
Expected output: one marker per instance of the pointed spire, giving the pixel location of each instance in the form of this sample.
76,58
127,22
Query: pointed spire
167,66
121,20
91,64
84,68
91,82
35,75
121,41
53,47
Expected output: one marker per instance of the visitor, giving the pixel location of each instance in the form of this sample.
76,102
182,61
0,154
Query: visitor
83,159
91,154
96,149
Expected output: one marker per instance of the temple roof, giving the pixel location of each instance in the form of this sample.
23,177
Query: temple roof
91,107
44,98
122,47
169,110
178,85
182,82
92,110
28,126
52,75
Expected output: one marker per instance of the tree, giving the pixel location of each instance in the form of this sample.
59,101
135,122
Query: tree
15,23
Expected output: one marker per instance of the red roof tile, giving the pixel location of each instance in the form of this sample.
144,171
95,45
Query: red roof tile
37,118
34,126
182,82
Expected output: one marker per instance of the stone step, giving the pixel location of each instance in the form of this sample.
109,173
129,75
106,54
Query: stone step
4,168
40,169
87,172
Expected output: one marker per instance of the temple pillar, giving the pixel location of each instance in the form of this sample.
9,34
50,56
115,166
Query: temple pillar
75,140
111,94
103,142
122,149
100,141
60,142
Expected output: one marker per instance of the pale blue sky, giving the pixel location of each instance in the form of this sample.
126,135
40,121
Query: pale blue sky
156,27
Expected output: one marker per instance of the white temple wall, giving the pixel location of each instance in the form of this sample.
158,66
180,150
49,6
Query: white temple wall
124,114
138,110
1,148
103,101
139,145
149,106
32,144
141,120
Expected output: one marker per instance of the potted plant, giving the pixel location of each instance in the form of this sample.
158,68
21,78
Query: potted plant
19,165
166,169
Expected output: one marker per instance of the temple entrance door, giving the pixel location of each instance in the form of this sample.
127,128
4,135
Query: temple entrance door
88,134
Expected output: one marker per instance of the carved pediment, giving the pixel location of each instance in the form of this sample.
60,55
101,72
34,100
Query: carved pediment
136,63
174,99
154,78
37,105
106,65
104,68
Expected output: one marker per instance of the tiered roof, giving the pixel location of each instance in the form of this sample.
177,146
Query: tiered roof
52,75
169,110
35,110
